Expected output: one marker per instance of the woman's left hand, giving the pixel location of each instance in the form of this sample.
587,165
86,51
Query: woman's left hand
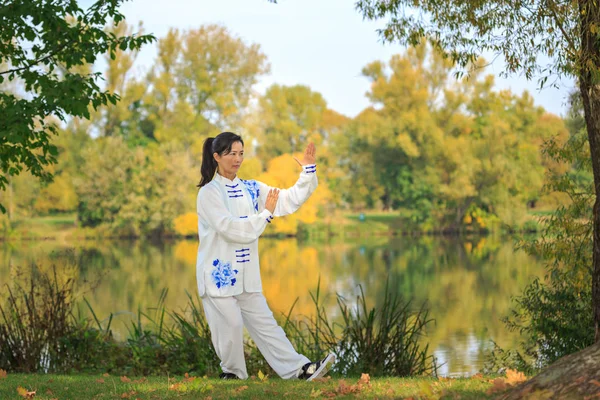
309,155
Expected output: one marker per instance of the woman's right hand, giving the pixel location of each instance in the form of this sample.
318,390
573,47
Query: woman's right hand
272,198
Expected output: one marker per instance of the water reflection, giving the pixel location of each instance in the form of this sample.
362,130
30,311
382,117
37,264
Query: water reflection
467,284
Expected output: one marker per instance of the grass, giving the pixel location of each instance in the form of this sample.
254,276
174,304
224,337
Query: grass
52,226
113,387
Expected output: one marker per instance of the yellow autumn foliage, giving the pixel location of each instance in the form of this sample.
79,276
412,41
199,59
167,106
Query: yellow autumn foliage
186,224
283,172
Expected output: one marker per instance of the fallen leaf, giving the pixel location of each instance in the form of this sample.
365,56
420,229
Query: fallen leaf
25,393
49,391
365,379
2,374
100,380
141,380
175,386
514,377
325,379
262,377
595,382
105,374
127,395
344,389
241,388
125,379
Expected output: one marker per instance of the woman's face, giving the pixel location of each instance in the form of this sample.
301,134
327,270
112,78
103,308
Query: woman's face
230,163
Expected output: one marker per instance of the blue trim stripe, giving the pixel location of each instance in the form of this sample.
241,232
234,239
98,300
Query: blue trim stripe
244,216
234,191
243,261
242,250
234,186
242,255
236,195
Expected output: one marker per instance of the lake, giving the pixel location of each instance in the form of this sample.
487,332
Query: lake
467,283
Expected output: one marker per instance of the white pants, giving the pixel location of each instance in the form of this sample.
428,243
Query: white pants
227,317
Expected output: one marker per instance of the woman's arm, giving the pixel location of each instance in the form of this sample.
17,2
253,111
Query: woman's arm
291,199
212,211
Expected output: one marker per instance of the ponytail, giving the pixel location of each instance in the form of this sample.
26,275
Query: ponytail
209,164
221,144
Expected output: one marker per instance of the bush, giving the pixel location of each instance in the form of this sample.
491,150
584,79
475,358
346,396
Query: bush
554,316
380,342
39,332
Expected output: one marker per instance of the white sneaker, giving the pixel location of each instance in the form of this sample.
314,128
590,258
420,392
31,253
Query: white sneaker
317,369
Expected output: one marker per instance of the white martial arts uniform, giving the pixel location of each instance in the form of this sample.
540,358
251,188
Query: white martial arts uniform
231,217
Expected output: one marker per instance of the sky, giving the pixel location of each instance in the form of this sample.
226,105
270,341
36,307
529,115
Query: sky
323,44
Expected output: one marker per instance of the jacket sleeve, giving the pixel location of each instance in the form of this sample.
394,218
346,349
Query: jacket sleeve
291,199
213,212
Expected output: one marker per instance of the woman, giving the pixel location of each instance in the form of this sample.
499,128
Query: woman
232,214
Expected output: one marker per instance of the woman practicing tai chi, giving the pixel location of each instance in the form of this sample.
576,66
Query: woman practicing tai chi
232,214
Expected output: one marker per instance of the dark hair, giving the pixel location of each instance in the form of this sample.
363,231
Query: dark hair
220,145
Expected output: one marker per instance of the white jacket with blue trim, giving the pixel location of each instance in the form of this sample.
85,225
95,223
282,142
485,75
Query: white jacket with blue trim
231,217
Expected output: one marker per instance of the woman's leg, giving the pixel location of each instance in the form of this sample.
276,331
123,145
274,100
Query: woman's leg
227,332
269,337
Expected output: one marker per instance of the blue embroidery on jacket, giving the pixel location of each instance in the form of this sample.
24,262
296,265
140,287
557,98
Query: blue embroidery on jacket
254,190
223,274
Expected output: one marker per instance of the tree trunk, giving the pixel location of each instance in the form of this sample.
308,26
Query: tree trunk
589,88
576,376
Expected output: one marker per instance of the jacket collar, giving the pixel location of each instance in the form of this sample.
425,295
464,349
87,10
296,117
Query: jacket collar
224,181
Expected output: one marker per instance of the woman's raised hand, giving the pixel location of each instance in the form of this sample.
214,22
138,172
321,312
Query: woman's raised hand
271,201
309,155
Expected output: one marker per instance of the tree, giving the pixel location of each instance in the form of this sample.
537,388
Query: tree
444,152
42,44
523,33
134,192
122,118
290,117
202,80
